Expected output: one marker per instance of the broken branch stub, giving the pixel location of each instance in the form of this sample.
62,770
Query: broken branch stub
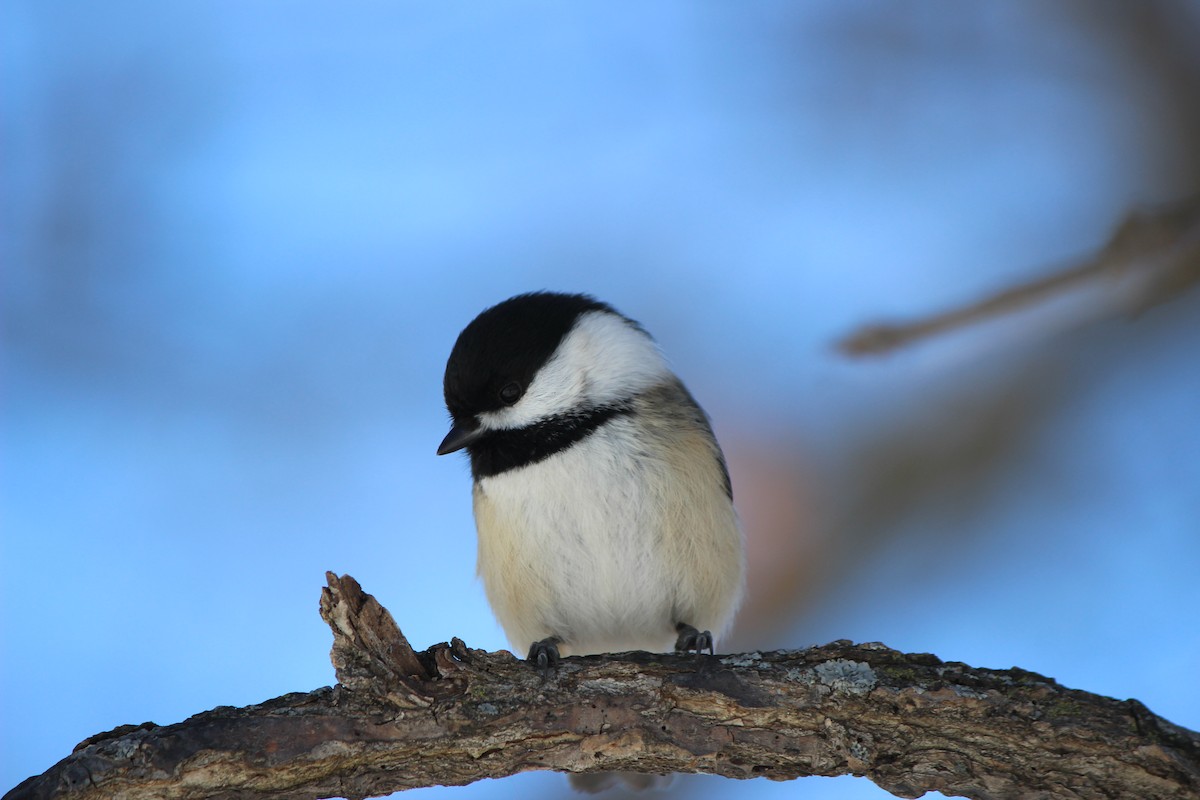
370,654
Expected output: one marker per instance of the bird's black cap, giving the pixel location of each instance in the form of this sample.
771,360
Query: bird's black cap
508,343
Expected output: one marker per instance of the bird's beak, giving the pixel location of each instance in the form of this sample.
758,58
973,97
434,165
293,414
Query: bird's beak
459,437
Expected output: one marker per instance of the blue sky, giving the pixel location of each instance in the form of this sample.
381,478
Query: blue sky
239,240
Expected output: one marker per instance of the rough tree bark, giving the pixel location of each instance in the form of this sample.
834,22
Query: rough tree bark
451,715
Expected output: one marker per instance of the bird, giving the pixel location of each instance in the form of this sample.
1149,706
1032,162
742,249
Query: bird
602,501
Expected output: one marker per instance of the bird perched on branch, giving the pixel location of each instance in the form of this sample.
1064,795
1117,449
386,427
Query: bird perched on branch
602,501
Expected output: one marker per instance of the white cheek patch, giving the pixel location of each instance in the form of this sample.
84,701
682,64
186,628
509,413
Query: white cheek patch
603,360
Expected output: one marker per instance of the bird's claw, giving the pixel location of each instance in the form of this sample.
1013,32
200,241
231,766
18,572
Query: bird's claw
693,641
544,654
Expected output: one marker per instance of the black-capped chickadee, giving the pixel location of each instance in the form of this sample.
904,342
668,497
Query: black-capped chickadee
602,502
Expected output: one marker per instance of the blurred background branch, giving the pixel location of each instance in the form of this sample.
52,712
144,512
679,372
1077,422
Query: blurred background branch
1154,255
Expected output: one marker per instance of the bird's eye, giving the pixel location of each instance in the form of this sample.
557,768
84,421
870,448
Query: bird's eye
510,393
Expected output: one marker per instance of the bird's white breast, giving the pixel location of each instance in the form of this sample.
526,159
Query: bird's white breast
609,543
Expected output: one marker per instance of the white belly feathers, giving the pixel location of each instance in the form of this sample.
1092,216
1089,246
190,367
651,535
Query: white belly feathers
613,562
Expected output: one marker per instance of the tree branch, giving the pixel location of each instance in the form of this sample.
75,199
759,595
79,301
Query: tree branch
450,715
1152,256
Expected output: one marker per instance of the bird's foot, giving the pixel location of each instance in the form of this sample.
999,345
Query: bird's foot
544,654
692,641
